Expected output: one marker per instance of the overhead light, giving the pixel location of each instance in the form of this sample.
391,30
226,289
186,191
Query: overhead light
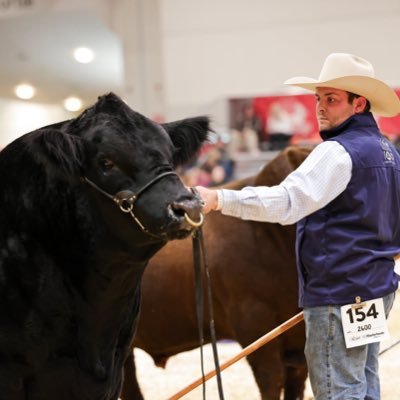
73,104
25,91
83,55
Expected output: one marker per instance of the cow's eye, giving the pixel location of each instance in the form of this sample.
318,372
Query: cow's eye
106,164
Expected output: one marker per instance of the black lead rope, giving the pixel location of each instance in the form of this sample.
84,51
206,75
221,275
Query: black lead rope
198,256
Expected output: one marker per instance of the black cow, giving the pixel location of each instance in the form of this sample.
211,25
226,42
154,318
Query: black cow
84,204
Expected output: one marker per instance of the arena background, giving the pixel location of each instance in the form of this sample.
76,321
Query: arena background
174,58
170,59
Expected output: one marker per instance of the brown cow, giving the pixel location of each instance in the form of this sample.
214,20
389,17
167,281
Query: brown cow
254,284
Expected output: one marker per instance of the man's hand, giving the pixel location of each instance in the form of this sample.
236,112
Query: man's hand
210,198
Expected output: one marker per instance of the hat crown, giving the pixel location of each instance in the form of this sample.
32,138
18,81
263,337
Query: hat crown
356,75
338,65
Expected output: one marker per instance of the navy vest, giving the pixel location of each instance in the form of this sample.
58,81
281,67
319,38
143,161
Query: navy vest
346,249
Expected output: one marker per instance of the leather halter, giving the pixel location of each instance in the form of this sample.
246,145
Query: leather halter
126,199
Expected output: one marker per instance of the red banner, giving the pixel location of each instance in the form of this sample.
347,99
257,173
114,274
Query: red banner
291,115
295,115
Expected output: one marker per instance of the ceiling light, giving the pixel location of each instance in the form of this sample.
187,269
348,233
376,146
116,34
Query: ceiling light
72,104
83,55
25,91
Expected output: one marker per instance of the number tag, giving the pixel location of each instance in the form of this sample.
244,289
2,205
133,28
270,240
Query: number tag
364,323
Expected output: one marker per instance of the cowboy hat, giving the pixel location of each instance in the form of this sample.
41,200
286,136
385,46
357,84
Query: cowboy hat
356,75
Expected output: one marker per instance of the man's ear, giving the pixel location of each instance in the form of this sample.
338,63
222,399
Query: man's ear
359,104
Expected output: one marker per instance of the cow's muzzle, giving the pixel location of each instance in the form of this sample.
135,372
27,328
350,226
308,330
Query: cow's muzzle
188,217
191,210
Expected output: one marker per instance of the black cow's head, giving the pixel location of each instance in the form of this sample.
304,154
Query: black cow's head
114,151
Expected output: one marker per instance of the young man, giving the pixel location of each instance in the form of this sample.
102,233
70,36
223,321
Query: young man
345,198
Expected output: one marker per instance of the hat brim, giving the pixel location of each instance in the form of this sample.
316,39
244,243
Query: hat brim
383,99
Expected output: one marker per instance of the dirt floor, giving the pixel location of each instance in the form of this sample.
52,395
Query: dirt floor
238,381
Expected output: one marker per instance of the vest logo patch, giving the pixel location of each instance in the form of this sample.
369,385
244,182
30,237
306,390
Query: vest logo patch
387,151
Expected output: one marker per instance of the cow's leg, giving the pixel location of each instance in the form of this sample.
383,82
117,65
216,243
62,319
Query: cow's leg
130,387
268,369
295,382
11,385
295,363
63,379
266,362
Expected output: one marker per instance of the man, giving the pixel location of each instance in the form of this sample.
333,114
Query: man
346,199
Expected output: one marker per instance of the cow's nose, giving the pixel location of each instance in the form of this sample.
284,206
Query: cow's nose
189,210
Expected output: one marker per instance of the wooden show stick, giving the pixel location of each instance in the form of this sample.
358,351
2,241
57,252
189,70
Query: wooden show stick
245,352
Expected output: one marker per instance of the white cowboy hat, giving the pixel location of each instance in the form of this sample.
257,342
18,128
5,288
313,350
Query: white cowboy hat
353,74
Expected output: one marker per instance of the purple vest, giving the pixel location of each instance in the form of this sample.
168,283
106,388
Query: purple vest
346,249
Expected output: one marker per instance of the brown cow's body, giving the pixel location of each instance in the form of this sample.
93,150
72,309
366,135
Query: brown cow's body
254,283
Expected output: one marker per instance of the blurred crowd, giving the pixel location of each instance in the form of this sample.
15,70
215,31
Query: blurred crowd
271,124
214,166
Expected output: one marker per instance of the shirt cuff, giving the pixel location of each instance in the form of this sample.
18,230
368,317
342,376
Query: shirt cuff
220,200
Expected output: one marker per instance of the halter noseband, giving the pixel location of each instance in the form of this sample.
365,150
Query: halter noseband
126,199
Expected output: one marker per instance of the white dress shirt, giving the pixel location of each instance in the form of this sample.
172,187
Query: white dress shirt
323,175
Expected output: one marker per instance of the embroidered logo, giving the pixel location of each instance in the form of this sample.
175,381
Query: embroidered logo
387,151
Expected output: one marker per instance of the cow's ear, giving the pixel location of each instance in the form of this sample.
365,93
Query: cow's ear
58,152
187,136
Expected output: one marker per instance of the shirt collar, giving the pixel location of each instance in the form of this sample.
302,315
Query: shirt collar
353,122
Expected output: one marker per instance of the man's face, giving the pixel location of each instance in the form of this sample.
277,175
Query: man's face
333,107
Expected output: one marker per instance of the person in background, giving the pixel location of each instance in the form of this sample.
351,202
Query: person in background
279,127
245,137
345,199
213,168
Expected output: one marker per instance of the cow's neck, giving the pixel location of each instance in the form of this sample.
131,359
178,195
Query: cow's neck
112,279
110,302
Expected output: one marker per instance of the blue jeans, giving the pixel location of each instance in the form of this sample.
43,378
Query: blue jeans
337,373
